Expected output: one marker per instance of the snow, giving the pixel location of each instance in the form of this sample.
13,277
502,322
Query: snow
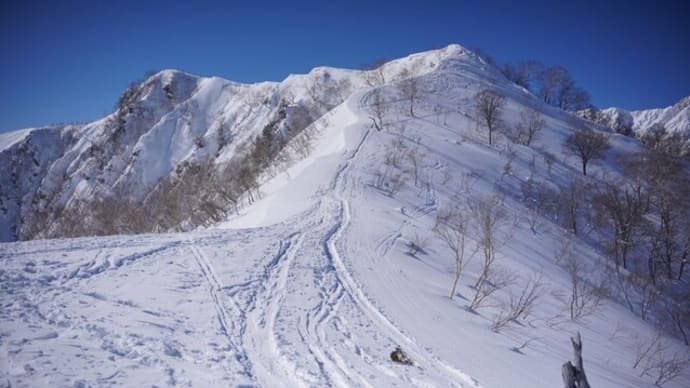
8,139
314,284
308,175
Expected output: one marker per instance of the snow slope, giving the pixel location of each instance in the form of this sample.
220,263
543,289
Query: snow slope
315,284
162,126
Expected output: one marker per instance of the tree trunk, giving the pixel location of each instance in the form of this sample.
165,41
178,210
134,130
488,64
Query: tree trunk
455,284
574,374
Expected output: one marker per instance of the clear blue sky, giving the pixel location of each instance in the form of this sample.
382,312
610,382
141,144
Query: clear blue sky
65,61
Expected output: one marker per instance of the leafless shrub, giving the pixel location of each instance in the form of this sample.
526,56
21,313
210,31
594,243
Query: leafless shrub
528,128
646,348
669,366
494,279
585,296
500,321
415,160
452,228
637,290
418,244
410,88
390,176
378,108
676,308
616,333
572,198
655,359
539,201
521,303
489,220
374,73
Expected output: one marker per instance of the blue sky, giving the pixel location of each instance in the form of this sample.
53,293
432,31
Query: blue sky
65,61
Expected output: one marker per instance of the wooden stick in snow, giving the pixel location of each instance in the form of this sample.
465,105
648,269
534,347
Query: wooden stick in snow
574,375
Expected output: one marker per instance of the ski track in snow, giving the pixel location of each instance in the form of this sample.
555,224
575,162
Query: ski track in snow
228,327
297,318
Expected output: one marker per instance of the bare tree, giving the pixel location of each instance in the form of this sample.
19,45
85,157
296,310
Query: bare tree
638,291
489,220
549,160
489,106
540,201
586,291
571,199
377,109
452,228
489,217
529,126
520,304
410,88
495,279
624,205
559,89
676,309
646,349
670,237
523,74
587,145
416,160
390,176
374,74
654,359
584,296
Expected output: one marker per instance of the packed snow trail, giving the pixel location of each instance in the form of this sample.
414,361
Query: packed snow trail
228,325
336,333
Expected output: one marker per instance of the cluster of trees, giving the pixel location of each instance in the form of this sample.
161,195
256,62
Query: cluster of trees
640,221
553,84
196,193
642,224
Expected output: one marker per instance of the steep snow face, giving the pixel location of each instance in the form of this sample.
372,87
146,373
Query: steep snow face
175,119
675,118
318,282
25,158
170,119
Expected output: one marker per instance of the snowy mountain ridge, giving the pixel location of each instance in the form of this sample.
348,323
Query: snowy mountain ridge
172,120
675,118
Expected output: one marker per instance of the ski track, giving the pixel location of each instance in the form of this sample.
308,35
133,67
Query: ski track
299,318
262,313
220,301
337,287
